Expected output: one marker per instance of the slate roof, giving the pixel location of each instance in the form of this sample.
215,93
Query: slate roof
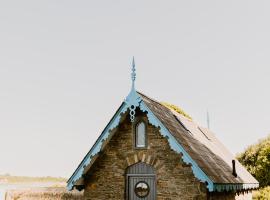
202,145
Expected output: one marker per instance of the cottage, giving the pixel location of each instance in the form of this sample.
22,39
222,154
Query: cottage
151,152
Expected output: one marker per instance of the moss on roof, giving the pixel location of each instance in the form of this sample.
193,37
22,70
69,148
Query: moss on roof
177,109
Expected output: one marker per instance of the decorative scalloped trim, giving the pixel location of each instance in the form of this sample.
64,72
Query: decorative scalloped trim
235,187
97,146
198,173
131,102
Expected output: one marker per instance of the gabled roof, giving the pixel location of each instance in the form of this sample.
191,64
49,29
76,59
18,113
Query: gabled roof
210,161
203,147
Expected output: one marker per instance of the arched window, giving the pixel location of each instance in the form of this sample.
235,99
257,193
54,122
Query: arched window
140,135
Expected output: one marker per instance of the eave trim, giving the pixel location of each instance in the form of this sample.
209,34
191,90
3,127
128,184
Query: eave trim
114,122
222,187
176,146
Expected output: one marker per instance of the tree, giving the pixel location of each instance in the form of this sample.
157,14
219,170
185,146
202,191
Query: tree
256,158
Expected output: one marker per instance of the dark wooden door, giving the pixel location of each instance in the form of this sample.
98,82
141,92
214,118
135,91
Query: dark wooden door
141,182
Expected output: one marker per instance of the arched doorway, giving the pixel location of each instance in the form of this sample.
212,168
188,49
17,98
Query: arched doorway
141,182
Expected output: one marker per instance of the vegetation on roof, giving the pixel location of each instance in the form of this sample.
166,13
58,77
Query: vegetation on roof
177,109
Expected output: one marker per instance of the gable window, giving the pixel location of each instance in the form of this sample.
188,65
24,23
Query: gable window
140,135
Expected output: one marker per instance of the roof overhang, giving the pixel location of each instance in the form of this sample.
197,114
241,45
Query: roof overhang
77,177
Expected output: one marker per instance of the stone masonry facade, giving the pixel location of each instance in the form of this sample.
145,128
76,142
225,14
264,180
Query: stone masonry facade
175,180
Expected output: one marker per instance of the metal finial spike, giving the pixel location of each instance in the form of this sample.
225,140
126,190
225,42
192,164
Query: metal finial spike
208,119
133,74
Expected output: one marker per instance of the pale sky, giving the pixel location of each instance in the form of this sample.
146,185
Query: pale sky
65,69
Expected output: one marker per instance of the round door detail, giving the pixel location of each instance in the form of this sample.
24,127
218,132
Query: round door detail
141,189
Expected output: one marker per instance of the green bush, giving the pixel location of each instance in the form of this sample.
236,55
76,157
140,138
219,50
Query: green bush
256,159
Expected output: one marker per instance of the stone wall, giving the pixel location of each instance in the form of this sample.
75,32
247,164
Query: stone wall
174,178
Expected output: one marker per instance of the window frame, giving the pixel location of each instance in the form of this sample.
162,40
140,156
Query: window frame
135,125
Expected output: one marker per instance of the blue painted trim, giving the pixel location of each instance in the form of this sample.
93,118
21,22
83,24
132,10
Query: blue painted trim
97,146
234,187
174,144
133,101
133,73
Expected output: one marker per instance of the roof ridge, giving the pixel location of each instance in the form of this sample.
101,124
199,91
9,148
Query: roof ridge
152,99
170,109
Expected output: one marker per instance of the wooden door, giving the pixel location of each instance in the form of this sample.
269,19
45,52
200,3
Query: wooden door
141,182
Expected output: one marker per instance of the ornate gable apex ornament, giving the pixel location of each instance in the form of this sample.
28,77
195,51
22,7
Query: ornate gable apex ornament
133,100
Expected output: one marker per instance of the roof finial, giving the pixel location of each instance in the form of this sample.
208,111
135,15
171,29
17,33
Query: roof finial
133,74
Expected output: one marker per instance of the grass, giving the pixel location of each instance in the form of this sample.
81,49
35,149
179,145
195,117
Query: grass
25,179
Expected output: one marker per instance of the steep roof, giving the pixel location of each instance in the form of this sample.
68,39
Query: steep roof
202,145
211,162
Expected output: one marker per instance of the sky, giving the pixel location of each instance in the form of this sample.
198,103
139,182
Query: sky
65,69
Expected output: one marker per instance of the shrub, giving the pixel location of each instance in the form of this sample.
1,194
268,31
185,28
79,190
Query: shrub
262,194
256,159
